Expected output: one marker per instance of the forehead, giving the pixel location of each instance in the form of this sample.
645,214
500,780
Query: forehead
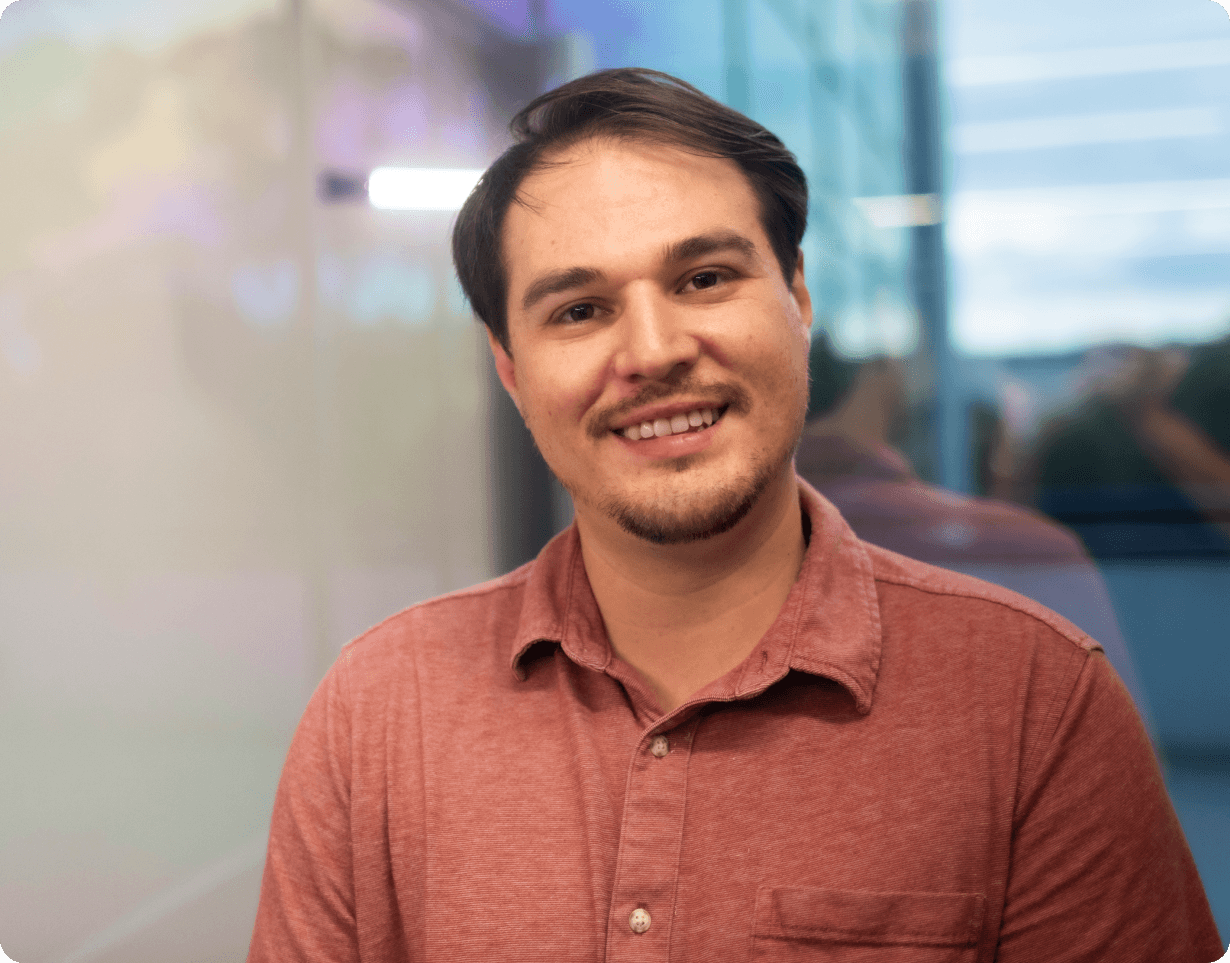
605,201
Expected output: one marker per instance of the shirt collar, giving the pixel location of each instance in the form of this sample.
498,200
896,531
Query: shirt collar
829,625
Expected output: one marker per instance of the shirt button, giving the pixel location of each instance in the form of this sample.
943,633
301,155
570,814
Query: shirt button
639,920
660,746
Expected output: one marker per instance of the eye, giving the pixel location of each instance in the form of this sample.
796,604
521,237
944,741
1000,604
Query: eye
705,279
578,313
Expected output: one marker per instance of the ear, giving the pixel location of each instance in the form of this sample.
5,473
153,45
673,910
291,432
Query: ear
504,367
802,297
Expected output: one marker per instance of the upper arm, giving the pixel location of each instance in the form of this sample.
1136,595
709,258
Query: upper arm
1100,869
307,905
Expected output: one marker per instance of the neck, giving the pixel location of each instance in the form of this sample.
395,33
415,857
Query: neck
684,615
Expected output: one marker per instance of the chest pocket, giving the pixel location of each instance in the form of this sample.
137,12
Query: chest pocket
796,924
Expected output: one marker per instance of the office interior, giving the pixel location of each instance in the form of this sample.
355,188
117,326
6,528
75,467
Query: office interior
247,414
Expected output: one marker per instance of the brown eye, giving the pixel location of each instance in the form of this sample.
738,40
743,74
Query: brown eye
579,312
706,279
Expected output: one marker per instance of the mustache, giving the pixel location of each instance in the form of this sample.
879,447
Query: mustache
729,395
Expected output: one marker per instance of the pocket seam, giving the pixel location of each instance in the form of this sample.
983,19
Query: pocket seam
961,925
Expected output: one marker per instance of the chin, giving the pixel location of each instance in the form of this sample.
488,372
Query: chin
687,518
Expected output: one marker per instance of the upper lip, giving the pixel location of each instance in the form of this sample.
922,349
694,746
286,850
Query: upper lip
651,413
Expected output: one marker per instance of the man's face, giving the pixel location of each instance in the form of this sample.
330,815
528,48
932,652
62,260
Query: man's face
644,301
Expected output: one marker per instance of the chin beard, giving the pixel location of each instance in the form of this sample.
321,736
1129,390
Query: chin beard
682,523
681,518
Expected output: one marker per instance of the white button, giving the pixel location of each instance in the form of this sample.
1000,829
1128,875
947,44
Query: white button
639,920
660,746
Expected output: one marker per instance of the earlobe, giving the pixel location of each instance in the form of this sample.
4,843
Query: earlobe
505,368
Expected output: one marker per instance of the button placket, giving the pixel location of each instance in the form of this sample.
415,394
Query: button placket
650,840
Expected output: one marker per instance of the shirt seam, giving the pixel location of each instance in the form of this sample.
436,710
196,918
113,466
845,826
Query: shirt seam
344,696
871,600
683,818
1075,638
505,583
1059,706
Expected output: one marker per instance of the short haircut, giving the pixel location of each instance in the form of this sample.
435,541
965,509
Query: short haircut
626,103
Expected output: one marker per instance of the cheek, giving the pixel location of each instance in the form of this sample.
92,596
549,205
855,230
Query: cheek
561,389
785,373
781,358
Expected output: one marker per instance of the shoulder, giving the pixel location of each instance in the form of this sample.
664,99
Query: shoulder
987,659
941,600
462,608
467,631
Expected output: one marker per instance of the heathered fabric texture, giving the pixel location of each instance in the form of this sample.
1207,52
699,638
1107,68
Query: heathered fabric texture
911,766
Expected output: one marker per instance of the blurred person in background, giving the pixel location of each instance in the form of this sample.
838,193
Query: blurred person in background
1149,443
708,722
854,411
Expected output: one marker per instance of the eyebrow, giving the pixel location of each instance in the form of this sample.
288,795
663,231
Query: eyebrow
555,282
712,243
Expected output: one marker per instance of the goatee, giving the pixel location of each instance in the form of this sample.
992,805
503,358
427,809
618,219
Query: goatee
679,524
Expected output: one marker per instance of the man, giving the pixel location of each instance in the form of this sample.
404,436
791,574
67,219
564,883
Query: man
707,723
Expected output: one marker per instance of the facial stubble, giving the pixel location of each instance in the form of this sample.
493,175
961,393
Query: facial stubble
723,511
706,513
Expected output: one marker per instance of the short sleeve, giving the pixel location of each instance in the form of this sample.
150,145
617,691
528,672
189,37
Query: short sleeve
1100,869
307,905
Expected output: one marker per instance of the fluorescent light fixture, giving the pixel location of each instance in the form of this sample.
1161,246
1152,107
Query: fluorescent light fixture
1093,62
1086,221
420,188
1092,200
1041,133
1015,320
901,210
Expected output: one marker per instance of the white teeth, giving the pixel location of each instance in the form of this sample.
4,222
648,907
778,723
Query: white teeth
675,425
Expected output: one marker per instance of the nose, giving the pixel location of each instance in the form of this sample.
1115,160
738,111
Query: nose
654,342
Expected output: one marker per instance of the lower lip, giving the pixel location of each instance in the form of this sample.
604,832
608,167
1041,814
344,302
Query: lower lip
672,446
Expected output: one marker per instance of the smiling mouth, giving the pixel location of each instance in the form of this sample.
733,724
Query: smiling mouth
693,421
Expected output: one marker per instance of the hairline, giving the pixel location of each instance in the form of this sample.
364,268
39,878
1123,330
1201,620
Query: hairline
648,135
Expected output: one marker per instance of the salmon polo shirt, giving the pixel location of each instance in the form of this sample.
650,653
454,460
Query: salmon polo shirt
911,765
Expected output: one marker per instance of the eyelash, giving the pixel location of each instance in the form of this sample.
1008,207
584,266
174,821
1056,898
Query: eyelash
711,272
562,317
719,274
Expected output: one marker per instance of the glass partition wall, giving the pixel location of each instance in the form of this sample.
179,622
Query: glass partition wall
1089,241
242,422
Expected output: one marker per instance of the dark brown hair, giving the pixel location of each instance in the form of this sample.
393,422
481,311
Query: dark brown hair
624,103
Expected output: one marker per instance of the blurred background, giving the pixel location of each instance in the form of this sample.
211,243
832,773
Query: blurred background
245,412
